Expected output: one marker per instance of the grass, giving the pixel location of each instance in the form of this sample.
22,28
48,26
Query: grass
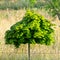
17,4
38,52
14,56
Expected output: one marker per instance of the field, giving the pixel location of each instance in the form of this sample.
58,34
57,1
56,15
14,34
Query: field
38,52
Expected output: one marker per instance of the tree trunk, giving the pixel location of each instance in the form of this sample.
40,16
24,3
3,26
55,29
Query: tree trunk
58,16
28,51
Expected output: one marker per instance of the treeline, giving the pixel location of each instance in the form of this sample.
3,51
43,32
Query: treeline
18,4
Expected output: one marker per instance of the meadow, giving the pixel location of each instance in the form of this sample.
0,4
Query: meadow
38,52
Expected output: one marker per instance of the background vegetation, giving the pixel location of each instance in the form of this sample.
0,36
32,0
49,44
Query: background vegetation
19,4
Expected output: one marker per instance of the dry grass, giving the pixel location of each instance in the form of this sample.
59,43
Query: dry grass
10,17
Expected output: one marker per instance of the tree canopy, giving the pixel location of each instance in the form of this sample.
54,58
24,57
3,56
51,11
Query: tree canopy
33,28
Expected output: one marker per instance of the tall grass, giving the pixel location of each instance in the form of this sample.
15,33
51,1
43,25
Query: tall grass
18,4
33,57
